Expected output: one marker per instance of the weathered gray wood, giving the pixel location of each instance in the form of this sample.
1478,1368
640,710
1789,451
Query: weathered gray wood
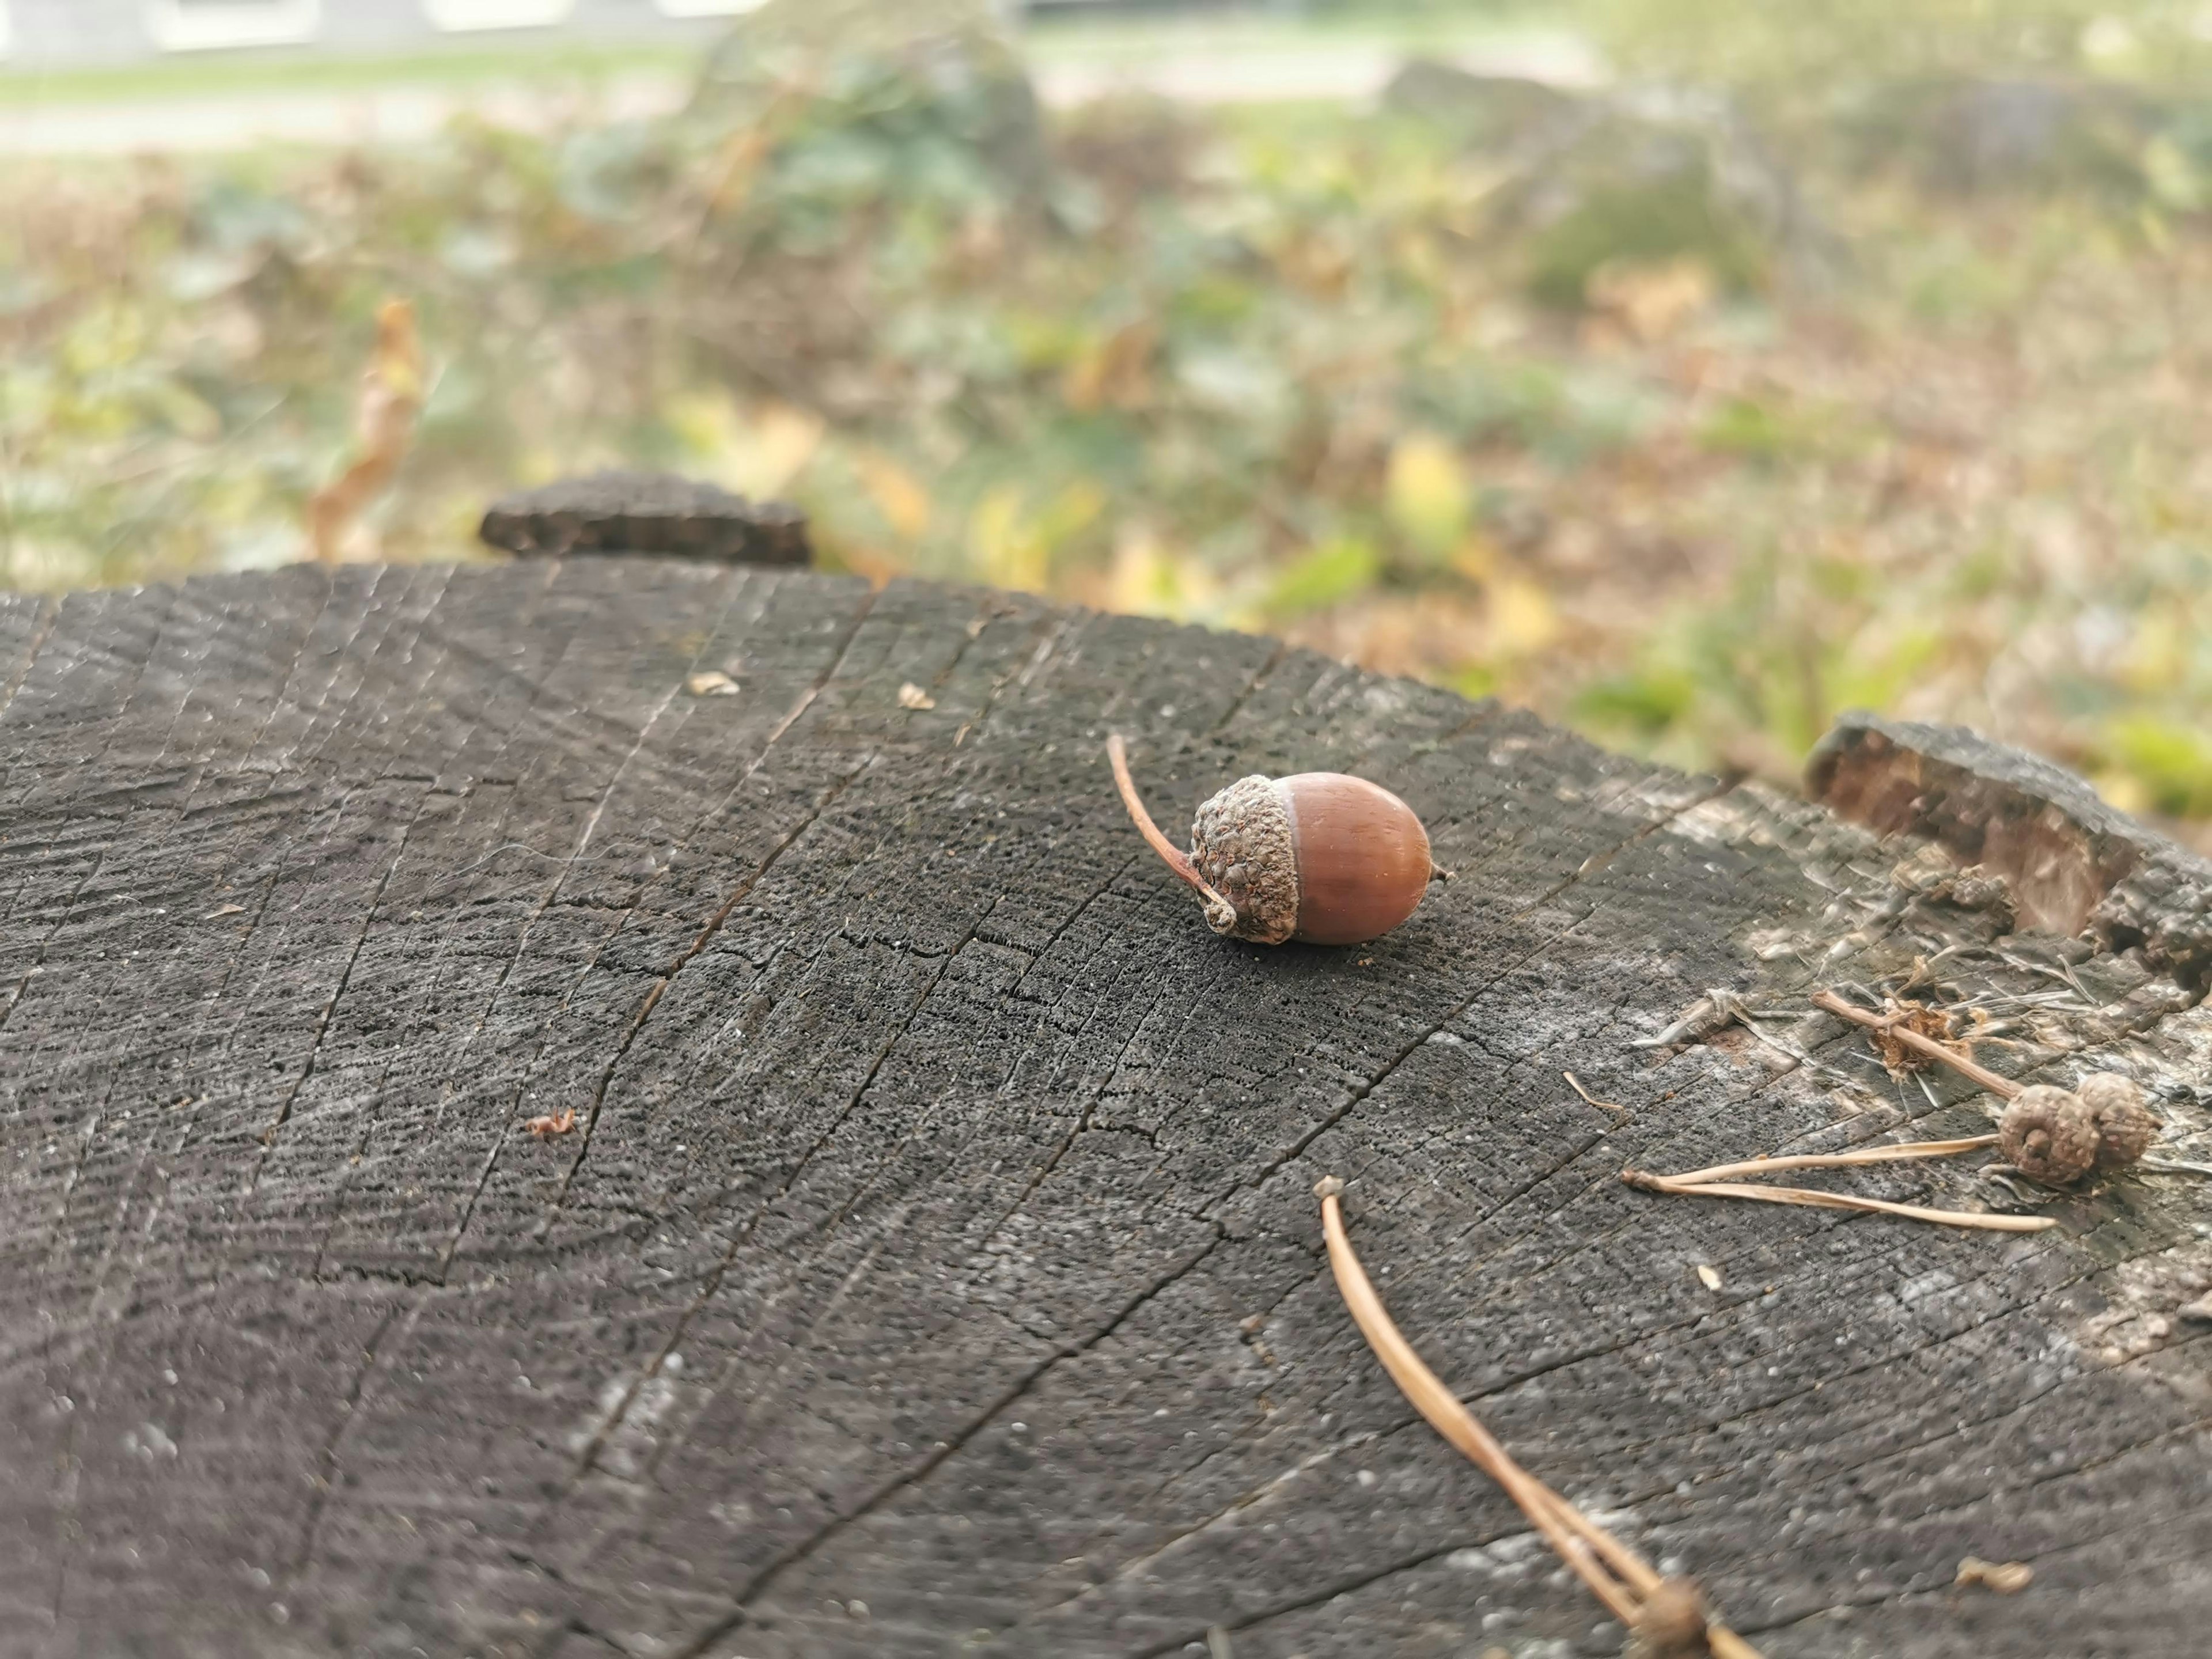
937,1234
647,512
2075,863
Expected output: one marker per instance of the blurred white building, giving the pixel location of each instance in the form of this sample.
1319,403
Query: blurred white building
85,33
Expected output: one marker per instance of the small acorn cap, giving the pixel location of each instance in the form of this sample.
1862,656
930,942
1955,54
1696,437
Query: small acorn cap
2049,1135
1673,1625
1244,843
2125,1126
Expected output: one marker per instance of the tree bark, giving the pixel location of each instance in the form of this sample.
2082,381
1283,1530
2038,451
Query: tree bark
932,1265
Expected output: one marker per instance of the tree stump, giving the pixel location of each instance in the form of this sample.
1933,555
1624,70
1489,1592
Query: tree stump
507,1154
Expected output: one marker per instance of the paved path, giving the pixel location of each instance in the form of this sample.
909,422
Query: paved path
402,112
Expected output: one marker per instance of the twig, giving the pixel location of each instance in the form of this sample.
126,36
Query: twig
1616,1575
1719,1008
2004,1087
1815,1199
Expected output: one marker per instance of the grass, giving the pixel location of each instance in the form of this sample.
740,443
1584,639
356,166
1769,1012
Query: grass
1689,434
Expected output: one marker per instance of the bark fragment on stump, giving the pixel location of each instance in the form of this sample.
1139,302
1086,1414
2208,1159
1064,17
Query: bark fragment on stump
2074,864
653,513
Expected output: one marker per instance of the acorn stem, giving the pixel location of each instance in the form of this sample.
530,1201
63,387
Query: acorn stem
1170,854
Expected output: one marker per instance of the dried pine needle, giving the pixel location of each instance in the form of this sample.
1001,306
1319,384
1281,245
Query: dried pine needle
1718,1181
1630,1587
1816,1198
1576,1084
1909,1149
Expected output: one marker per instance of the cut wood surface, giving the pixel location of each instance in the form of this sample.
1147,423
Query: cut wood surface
932,1266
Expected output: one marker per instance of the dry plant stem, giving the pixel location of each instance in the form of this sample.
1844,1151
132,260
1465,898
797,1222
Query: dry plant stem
1815,1199
1615,1574
2003,1087
1172,856
1911,1149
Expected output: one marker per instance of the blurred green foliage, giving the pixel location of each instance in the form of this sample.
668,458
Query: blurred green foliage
1688,425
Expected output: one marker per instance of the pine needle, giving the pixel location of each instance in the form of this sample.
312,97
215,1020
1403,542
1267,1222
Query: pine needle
1615,1574
1816,1198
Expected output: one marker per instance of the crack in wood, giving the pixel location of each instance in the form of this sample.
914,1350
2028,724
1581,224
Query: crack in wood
764,1580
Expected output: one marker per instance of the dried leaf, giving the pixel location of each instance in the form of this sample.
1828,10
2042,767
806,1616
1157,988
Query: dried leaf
548,1124
1428,500
383,426
1932,1022
900,496
1651,301
713,683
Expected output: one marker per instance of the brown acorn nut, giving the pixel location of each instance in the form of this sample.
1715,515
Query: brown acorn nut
2049,1135
2125,1127
1317,856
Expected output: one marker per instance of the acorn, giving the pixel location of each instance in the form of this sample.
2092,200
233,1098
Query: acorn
2125,1127
2049,1135
1316,856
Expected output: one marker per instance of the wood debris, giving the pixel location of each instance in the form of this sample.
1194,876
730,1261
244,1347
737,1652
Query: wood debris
1900,1056
1898,1027
2005,1577
913,697
548,1124
712,683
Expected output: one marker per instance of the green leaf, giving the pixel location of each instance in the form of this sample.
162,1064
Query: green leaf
1322,577
2172,761
1646,701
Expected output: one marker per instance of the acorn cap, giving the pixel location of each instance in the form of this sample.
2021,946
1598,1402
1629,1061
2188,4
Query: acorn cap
1672,1623
1244,844
2125,1126
2049,1135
